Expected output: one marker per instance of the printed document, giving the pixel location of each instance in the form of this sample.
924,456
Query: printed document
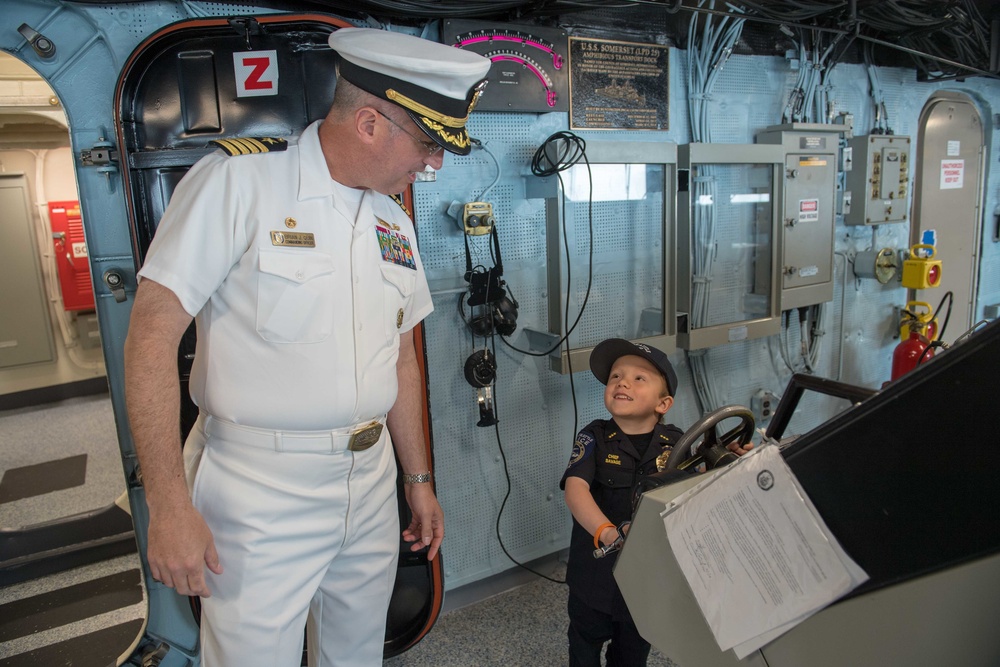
755,552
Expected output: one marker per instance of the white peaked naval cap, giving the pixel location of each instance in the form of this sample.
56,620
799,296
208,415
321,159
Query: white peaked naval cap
437,85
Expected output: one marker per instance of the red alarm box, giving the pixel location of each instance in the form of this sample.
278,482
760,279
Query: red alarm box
72,259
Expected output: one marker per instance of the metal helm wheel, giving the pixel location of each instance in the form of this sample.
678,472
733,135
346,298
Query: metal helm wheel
705,426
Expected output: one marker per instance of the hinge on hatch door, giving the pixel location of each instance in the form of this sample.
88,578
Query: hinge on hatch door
245,26
103,156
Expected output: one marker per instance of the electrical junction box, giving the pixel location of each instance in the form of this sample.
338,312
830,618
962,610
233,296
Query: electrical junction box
808,196
879,183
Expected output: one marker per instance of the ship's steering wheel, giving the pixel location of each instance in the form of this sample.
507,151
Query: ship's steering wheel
705,427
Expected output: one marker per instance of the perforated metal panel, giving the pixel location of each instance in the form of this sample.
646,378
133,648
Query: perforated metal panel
140,19
534,403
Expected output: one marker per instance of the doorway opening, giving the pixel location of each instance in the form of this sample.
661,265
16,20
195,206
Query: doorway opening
67,548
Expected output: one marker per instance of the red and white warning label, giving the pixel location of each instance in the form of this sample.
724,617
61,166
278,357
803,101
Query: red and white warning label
952,174
808,210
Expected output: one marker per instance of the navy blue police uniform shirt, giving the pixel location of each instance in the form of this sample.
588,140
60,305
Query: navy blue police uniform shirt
605,458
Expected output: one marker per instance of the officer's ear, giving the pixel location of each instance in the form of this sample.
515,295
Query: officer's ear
664,405
366,124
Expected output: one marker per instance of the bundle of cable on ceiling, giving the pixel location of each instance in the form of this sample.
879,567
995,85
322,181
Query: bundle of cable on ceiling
943,31
795,10
433,9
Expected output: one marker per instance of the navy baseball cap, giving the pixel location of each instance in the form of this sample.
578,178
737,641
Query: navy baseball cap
608,352
437,85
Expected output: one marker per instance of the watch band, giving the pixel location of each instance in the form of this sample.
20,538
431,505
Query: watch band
422,478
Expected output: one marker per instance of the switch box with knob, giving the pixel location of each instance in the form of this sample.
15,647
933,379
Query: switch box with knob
477,218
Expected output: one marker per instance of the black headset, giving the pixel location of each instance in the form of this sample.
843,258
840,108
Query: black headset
499,316
497,312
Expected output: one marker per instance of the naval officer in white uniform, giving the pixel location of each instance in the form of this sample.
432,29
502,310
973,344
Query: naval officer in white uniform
305,282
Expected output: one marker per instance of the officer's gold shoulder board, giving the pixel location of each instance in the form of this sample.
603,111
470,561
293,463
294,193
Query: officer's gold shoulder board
399,200
248,145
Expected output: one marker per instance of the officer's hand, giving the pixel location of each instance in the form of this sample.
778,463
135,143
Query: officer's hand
180,545
426,529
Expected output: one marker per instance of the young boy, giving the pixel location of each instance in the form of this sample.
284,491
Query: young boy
609,457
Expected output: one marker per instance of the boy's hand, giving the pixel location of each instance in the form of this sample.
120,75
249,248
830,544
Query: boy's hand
739,450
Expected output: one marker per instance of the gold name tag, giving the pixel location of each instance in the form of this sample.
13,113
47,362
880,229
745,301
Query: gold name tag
293,239
365,437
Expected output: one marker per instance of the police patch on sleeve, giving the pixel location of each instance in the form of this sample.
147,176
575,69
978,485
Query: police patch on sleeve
584,442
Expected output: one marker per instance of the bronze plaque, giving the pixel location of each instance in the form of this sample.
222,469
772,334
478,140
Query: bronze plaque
618,85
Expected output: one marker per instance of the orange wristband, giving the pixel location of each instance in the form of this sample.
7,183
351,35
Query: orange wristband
597,533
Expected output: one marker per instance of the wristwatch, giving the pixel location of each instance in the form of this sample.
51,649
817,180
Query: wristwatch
422,478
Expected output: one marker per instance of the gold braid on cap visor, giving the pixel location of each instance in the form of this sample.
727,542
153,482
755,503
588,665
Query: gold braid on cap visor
462,140
438,121
423,110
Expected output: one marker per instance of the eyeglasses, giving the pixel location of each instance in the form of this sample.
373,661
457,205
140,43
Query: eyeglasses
429,147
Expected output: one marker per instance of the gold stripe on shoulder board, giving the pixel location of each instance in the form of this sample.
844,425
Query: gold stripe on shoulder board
228,146
399,200
249,145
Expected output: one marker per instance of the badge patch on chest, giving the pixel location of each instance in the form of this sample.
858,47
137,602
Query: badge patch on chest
661,460
293,239
394,246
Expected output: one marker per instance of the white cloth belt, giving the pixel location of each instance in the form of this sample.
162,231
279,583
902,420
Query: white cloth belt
356,437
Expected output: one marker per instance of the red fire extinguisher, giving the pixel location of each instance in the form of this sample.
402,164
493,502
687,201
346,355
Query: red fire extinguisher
910,352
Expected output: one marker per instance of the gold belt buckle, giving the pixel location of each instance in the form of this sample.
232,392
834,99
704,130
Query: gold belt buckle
365,437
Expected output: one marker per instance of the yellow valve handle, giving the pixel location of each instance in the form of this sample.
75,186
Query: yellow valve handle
913,305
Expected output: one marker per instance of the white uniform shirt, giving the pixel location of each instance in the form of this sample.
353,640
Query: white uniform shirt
289,337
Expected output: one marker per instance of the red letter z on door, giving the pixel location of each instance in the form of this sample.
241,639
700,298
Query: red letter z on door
256,73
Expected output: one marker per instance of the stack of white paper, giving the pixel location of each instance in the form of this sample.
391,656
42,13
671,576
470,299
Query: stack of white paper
756,553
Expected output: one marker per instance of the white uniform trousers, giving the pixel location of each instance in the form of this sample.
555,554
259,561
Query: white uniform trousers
298,533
